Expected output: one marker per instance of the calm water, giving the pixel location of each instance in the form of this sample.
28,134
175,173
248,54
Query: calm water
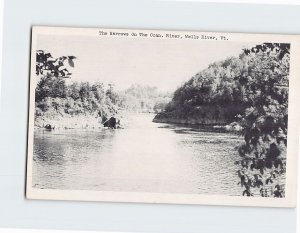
144,157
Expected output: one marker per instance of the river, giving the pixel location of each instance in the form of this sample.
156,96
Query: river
143,157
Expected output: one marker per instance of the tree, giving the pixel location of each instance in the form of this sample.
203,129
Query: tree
212,88
99,91
263,153
73,91
46,64
50,86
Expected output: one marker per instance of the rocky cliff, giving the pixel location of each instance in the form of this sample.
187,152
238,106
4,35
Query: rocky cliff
203,115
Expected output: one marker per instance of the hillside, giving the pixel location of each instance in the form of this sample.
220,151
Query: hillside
221,93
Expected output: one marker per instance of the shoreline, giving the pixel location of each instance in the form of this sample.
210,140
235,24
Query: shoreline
224,126
68,122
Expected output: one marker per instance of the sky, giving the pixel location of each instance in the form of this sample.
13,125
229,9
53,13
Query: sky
164,63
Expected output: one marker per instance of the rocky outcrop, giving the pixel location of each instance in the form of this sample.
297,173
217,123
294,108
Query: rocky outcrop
204,115
112,123
232,127
49,127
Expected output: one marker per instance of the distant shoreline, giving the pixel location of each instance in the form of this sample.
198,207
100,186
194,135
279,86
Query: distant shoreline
223,126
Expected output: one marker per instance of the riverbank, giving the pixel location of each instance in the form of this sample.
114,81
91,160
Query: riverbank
201,115
69,122
80,121
216,119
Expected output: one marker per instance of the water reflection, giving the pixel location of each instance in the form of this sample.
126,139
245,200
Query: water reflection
143,157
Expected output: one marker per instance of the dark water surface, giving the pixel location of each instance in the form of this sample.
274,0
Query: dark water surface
144,157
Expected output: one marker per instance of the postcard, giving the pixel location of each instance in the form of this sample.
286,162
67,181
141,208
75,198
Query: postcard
153,116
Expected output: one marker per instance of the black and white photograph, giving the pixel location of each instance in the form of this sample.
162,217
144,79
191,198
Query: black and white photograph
163,117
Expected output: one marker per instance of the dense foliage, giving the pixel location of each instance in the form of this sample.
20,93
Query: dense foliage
83,97
53,94
263,155
56,96
251,89
216,87
46,64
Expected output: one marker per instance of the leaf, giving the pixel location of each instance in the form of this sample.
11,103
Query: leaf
262,171
245,192
71,63
48,55
278,163
239,173
242,181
